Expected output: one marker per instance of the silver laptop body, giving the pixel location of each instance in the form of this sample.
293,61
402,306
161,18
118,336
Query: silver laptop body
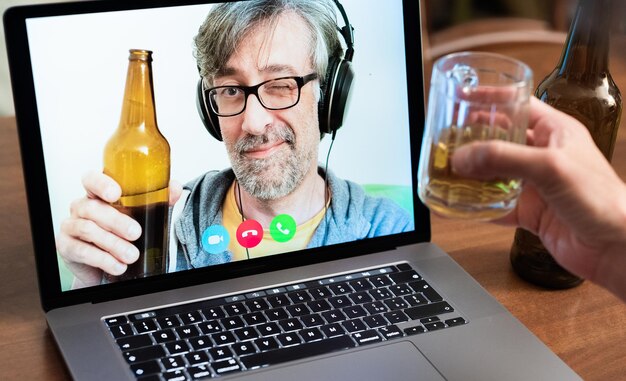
67,65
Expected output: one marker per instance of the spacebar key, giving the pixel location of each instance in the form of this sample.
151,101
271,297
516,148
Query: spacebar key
297,352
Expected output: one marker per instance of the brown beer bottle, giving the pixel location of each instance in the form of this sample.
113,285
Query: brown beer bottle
137,156
582,87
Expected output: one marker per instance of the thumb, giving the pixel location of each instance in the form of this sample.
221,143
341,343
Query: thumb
175,191
495,158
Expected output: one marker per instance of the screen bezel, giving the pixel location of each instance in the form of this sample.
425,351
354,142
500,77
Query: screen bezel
37,189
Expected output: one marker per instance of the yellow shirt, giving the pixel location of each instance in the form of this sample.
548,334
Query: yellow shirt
232,219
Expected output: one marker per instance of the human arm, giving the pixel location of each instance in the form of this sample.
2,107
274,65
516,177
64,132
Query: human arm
572,198
96,237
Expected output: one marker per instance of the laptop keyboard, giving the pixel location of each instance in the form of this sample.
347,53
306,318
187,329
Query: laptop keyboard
230,334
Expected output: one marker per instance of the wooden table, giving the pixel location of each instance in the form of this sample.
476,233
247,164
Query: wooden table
585,326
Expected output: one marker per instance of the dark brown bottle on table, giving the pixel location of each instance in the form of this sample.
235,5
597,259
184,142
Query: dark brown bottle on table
137,156
582,87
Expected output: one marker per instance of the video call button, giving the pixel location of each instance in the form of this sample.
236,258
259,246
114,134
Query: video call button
249,233
283,228
215,239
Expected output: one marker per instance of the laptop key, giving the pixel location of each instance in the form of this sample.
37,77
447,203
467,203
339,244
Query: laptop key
177,347
226,366
278,300
177,375
288,339
266,343
311,334
405,277
187,331
455,321
361,285
435,326
298,310
416,299
210,327
321,292
224,338
414,330
117,320
134,342
367,337
319,305
375,308
333,330
202,342
375,321
247,333
340,288
427,310
121,331
233,322
334,316
168,322
242,349
144,354
254,318
424,288
199,372
257,305
396,317
190,317
340,301
145,368
354,312
220,353
277,314
214,313
289,325
145,326
299,296
269,329
297,352
235,309
312,320
361,297
390,332
164,335
354,325
380,280
173,362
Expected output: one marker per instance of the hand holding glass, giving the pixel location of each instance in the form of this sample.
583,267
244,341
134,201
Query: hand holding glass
473,96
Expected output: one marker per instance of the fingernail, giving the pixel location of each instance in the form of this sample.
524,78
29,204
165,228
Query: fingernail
134,231
131,254
119,268
110,194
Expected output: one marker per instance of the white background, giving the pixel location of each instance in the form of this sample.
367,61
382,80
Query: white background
80,63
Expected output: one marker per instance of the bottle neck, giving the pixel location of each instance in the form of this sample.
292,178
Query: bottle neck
587,46
138,110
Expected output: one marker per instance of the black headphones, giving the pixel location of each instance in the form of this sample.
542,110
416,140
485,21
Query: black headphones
335,88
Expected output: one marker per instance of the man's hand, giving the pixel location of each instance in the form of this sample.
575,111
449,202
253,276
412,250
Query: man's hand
572,198
97,237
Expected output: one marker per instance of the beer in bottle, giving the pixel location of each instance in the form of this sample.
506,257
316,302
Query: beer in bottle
137,156
582,87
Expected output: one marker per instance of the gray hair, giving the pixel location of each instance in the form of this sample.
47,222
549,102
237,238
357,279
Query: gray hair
228,24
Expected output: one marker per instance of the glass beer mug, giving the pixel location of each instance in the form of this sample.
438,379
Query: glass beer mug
473,96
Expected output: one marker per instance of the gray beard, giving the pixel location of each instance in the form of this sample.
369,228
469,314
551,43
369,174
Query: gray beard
274,177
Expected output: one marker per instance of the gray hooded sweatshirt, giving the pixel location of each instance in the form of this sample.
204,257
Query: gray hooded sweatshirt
352,215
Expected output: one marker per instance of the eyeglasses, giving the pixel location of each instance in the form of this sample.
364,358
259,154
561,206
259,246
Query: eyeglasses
274,94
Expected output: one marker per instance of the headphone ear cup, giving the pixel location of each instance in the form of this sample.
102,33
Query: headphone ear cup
208,117
336,94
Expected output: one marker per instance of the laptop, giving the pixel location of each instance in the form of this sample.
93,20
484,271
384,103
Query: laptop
381,304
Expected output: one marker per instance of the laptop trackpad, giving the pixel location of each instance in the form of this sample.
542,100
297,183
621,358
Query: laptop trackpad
397,361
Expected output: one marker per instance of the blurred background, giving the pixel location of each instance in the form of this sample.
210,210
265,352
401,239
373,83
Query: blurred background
450,25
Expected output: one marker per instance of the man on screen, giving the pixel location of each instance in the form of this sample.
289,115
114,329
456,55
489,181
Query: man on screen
263,66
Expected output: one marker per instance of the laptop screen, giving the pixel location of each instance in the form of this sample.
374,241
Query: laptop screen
288,160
